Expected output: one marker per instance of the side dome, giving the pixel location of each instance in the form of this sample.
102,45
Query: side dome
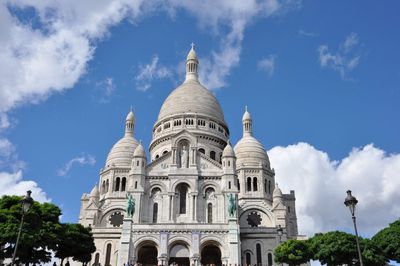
228,151
139,151
121,154
191,97
249,151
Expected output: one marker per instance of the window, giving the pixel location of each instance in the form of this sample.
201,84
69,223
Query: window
238,185
123,184
209,213
249,184
96,259
248,258
107,185
167,125
201,123
201,150
103,187
117,181
229,184
258,253
155,212
165,152
269,187
157,156
135,184
288,209
269,259
255,184
108,255
265,186
212,155
182,198
229,163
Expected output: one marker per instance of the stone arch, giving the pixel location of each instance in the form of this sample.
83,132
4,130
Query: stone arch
146,250
179,251
214,240
211,252
208,184
179,182
109,211
260,208
159,184
262,212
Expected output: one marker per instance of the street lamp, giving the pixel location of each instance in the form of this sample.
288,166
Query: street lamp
26,203
351,202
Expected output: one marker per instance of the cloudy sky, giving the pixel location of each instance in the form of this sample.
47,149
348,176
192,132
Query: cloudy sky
322,81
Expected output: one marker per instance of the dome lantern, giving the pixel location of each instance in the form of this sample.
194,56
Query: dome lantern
129,123
247,123
192,64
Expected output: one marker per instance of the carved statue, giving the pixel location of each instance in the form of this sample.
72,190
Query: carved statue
130,205
232,205
184,157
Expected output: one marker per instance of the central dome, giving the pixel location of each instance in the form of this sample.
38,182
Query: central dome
191,97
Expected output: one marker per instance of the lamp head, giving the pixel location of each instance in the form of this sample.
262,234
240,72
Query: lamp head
27,201
280,230
351,202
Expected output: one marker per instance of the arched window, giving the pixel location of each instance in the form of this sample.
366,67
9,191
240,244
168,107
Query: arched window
212,155
255,184
258,253
123,184
182,198
107,185
265,186
103,187
209,213
108,255
229,184
96,259
269,187
165,152
248,258
201,150
269,259
157,156
238,184
249,184
155,212
117,181
135,184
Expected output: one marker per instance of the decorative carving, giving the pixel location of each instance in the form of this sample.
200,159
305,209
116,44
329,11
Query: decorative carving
254,219
183,153
116,219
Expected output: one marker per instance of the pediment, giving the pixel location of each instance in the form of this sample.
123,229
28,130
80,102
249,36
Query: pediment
161,164
207,165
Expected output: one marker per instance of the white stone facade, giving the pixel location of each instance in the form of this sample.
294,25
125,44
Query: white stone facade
198,200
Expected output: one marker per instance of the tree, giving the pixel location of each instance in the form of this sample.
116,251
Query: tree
388,239
293,252
39,231
75,241
372,254
334,248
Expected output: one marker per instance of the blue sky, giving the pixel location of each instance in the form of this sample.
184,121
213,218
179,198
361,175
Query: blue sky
322,81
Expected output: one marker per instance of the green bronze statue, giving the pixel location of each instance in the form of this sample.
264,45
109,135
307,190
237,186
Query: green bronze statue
232,205
130,208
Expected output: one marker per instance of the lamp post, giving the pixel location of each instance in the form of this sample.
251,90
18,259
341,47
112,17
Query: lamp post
351,202
279,230
26,203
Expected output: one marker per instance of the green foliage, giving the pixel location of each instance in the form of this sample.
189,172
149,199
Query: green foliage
293,252
388,239
334,248
372,254
75,241
39,231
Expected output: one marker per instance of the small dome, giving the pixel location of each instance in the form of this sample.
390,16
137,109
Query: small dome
130,116
95,192
192,54
249,151
228,151
246,115
191,97
139,151
277,192
121,153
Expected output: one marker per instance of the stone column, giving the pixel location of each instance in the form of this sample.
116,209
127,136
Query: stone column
124,245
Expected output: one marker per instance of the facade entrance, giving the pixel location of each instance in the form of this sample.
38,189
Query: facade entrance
211,256
147,255
179,255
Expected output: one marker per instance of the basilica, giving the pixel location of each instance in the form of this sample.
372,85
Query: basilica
195,199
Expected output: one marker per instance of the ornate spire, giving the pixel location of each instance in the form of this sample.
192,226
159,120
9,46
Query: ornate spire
192,64
247,123
129,123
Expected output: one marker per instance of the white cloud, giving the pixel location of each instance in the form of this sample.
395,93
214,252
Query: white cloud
149,72
12,184
306,33
268,65
107,87
80,160
321,185
345,59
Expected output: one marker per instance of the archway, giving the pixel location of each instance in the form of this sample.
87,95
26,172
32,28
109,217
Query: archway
211,255
179,255
147,255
